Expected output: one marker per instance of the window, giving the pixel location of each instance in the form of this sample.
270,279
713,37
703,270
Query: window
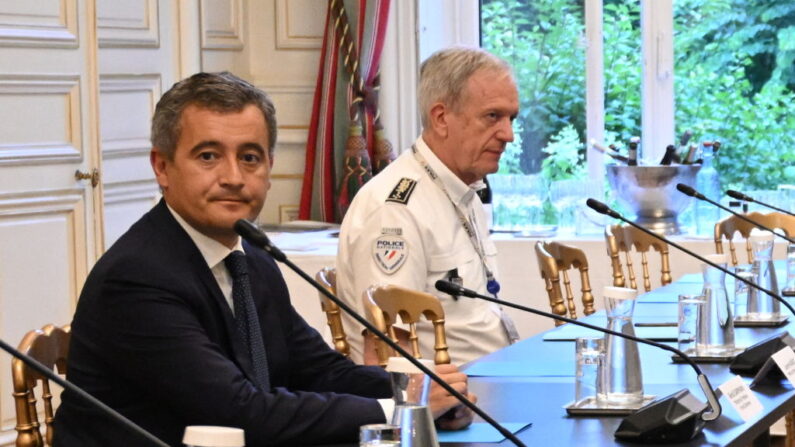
734,66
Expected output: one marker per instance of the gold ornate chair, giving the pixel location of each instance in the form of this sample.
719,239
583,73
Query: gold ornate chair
554,262
50,346
327,277
625,238
726,228
384,304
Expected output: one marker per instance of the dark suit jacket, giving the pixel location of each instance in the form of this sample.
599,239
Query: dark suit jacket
153,338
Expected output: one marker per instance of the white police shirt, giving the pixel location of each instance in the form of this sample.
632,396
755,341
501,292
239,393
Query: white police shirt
402,229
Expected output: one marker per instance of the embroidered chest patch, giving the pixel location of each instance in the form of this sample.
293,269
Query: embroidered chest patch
390,253
402,191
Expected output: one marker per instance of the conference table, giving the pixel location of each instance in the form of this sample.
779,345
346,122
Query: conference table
531,381
534,381
538,381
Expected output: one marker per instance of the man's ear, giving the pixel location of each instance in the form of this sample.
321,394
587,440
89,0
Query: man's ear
158,161
437,117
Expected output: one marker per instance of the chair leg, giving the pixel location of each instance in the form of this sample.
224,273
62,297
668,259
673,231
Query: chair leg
790,424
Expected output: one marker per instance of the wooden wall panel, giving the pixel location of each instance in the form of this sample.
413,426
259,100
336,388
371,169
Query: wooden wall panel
40,116
128,23
300,24
31,280
222,25
39,23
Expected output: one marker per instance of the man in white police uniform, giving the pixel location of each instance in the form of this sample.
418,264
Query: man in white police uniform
420,220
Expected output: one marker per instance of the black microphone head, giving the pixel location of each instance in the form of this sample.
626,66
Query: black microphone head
738,195
251,233
601,208
449,288
686,189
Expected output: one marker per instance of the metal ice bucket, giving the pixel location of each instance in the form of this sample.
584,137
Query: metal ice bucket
650,192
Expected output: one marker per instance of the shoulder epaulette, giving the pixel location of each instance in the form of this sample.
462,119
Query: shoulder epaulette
402,191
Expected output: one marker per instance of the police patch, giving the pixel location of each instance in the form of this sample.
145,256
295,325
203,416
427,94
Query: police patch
389,253
402,191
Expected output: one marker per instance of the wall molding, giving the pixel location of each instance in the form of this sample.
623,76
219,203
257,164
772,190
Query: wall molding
131,191
55,30
228,37
41,201
288,39
68,150
148,84
116,31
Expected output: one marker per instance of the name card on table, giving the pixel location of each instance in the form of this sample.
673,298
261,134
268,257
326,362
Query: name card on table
741,398
785,359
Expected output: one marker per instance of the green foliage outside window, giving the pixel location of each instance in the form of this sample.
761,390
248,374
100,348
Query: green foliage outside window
735,81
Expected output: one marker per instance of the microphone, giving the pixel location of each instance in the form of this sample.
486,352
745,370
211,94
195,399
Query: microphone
750,360
258,238
675,418
693,193
67,385
740,196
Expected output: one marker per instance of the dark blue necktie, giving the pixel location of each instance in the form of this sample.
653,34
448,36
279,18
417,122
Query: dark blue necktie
246,317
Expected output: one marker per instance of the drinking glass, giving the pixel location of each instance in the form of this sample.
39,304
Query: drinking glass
689,308
564,196
590,353
743,293
532,193
372,435
789,289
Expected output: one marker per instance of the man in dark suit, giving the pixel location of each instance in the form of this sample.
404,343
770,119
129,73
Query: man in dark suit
162,331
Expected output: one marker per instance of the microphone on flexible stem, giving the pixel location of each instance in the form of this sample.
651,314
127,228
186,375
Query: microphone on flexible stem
67,385
257,237
693,193
750,360
675,418
740,196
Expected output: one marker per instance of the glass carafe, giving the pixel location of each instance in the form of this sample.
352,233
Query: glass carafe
621,378
410,391
715,335
765,307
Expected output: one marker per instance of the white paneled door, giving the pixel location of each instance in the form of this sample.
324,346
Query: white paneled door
50,221
79,80
138,60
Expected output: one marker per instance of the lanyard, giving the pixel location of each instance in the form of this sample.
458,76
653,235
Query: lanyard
474,237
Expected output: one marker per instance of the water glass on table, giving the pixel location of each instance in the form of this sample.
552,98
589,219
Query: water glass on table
590,353
690,309
789,289
372,435
744,295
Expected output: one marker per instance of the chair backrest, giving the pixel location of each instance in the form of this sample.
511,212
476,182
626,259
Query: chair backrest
50,346
327,277
385,303
554,262
726,228
625,238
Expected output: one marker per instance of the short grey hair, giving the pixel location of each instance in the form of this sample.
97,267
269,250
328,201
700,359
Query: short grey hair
445,73
221,92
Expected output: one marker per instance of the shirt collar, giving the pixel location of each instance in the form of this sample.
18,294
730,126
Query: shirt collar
212,251
459,192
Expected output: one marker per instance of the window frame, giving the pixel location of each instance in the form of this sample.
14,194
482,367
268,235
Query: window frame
441,23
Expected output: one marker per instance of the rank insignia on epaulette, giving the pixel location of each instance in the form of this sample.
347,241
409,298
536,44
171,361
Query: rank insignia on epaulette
402,191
